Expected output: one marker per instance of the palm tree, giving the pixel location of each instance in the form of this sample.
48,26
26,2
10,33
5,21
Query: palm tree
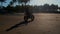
11,4
14,1
23,1
1,1
20,1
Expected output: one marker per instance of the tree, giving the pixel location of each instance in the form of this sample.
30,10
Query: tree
20,1
1,1
14,1
11,3
24,1
54,7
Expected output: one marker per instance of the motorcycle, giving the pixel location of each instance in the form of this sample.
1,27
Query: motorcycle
29,18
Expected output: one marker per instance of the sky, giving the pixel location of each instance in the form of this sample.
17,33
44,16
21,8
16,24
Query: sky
39,2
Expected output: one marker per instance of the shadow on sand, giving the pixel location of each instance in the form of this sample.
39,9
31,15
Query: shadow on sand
17,25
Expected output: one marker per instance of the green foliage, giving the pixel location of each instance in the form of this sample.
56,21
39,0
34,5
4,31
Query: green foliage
2,2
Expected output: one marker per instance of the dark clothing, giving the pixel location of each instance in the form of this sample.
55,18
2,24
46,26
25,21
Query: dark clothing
27,12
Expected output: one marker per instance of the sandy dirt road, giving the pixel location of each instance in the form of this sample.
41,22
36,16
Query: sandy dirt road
44,23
